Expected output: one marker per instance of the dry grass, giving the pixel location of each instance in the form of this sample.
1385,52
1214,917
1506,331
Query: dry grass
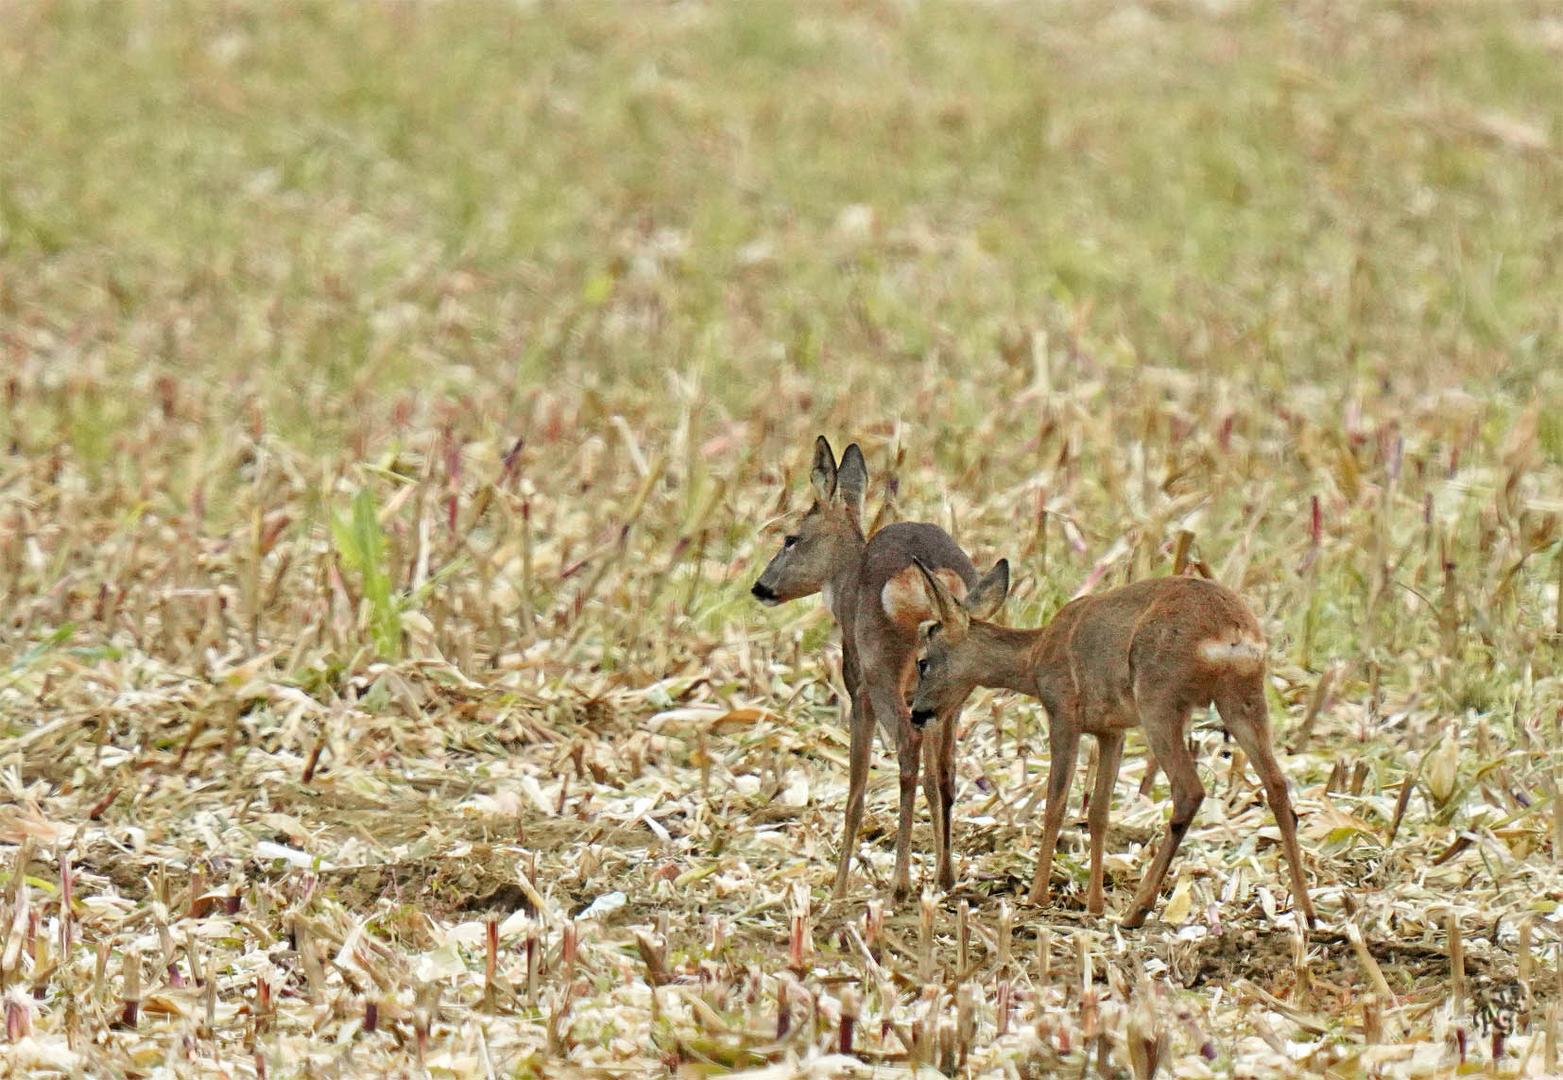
400,400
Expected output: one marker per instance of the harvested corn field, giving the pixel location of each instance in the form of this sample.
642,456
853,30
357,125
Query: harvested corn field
402,399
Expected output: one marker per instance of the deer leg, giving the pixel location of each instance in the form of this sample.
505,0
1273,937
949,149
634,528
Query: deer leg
939,784
1245,715
1108,759
1063,749
1164,724
947,794
890,707
931,788
1150,775
860,725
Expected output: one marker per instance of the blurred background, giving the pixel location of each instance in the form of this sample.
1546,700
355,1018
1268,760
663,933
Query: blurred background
328,203
557,245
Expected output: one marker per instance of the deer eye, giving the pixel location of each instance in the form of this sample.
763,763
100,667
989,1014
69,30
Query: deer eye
789,541
922,666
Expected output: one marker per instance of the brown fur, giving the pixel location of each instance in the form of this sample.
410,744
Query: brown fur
1144,655
905,601
828,553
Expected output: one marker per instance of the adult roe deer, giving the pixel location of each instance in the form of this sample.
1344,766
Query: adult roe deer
1143,655
875,594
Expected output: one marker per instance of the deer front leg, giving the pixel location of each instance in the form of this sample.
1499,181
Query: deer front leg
1063,749
951,724
939,786
888,704
931,790
1149,780
860,726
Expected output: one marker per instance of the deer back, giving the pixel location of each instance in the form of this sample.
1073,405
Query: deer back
890,602
1178,632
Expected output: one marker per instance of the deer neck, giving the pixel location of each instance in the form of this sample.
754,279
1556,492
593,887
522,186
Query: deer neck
1051,668
1009,657
841,590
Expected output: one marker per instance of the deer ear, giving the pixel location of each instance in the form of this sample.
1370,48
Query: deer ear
852,480
984,601
823,474
946,608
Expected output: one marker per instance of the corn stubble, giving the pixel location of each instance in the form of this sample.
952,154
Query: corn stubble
234,829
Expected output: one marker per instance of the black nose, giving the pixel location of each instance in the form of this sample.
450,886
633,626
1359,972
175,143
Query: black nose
762,592
921,717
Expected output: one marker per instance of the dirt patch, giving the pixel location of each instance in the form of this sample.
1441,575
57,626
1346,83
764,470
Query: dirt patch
441,887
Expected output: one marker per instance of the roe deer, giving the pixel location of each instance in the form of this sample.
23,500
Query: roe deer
876,596
1144,655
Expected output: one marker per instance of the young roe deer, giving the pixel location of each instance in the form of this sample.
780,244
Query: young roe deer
875,594
1144,655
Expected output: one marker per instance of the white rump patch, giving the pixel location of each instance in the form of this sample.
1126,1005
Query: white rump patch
905,599
1241,651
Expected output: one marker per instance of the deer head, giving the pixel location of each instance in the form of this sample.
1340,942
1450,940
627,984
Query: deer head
827,536
952,659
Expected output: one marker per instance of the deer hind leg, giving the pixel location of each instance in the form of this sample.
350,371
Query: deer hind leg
1108,759
1246,716
1063,750
860,725
1164,723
